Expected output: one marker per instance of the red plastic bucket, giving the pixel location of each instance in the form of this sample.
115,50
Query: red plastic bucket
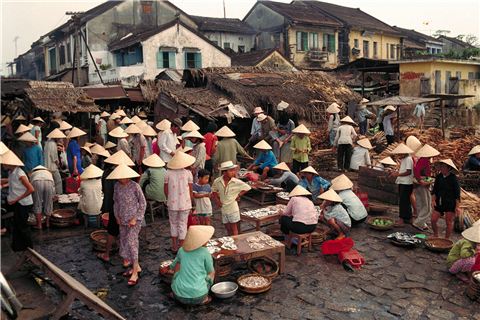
105,219
336,246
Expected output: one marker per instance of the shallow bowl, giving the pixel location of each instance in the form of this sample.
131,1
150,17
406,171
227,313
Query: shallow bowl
224,289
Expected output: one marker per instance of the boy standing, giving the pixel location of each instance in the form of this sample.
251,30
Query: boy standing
227,191
202,192
300,147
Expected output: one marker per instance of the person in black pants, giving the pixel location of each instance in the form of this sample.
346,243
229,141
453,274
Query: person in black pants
343,142
405,184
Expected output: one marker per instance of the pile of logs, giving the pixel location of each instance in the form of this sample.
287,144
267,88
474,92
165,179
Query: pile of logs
322,158
461,132
471,204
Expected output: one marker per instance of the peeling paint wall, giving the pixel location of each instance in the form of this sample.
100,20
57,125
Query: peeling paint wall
277,62
381,39
234,39
469,87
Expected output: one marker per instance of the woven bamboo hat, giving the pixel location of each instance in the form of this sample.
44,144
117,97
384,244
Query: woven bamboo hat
301,129
11,159
190,126
149,131
261,117
389,108
20,118
331,195
299,191
120,112
122,171
164,125
6,121
473,233
30,126
56,134
109,145
448,162
91,172
142,125
153,161
263,145
118,133
3,148
333,108
126,120
197,236
227,165
402,149
88,144
120,157
114,116
133,129
22,128
75,132
97,149
426,152
87,150
195,134
136,119
64,125
347,119
282,166
142,114
341,183
185,150
362,104
105,154
27,136
365,143
388,160
38,168
38,119
310,169
225,132
474,150
105,114
413,143
180,160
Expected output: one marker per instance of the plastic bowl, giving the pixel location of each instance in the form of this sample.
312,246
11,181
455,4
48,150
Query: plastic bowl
105,219
224,289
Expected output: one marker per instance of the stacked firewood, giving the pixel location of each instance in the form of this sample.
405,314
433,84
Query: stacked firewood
471,203
322,158
461,132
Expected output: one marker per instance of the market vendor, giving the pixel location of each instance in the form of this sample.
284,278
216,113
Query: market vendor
265,163
31,154
360,155
388,115
268,125
286,179
255,132
284,132
473,163
362,113
462,256
227,149
385,164
343,141
42,181
90,191
300,148
405,184
313,182
333,122
193,267
354,206
334,215
73,151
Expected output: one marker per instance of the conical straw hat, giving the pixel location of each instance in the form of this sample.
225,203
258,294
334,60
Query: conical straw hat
142,114
331,195
22,128
64,125
474,150
30,126
402,149
164,125
132,129
361,106
365,143
391,108
88,144
473,233
120,112
341,183
120,157
153,161
310,169
197,236
75,132
149,131
118,133
413,143
136,119
426,152
126,120
225,132
122,171
38,119
59,120
142,125
20,118
11,159
333,108
388,160
299,191
195,134
104,153
105,114
27,136
56,134
6,121
91,172
97,149
190,126
347,119
184,150
449,162
301,129
3,148
114,116
87,150
109,145
263,145
38,168
180,160
282,166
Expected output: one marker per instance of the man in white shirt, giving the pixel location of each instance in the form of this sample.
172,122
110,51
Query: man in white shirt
405,184
360,155
168,141
388,115
343,141
255,132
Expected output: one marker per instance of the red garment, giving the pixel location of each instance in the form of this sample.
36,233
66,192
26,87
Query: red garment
210,138
422,168
155,148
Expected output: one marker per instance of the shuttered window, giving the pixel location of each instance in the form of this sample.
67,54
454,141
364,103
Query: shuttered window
302,41
329,42
166,60
313,40
193,60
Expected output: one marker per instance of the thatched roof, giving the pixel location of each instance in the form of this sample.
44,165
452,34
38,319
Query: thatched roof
254,86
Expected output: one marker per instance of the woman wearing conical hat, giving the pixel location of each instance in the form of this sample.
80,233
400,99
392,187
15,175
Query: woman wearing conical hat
334,215
473,163
300,148
265,162
343,141
36,131
333,121
90,191
73,151
32,154
227,149
464,253
388,115
42,181
360,154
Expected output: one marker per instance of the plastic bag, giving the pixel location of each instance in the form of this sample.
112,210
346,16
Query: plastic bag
73,183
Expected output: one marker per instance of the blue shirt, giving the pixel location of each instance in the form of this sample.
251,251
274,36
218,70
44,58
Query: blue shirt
188,143
472,161
267,159
317,184
32,157
361,114
73,150
204,205
288,128
287,175
256,127
355,207
33,132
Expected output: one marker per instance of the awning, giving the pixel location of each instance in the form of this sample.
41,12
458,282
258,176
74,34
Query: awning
401,101
447,96
106,92
135,95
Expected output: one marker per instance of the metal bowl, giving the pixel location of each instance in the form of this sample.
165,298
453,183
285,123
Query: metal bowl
224,289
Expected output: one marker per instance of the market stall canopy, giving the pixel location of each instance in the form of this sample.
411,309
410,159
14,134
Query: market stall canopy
401,101
447,96
99,92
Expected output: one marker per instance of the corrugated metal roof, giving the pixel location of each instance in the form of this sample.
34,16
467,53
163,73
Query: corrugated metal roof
107,92
301,14
135,94
222,24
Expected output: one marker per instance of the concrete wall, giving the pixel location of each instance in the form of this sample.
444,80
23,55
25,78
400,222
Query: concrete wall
235,39
277,62
262,18
381,39
469,87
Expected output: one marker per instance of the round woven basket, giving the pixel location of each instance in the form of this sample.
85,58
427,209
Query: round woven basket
319,235
370,221
473,290
377,209
225,267
99,241
274,231
264,266
439,244
168,276
63,217
254,290
281,200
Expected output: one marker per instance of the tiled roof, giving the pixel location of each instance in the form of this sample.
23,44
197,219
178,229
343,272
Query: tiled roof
222,24
352,17
457,41
252,58
301,14
417,37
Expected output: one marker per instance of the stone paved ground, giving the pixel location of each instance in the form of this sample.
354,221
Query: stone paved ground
395,282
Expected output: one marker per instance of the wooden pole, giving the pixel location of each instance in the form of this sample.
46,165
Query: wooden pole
363,84
443,119
398,124
77,49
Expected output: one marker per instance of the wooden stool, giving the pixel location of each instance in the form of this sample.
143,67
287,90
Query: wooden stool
303,239
154,205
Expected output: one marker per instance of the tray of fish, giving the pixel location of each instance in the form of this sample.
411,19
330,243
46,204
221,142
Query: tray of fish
256,245
213,249
259,213
403,237
243,172
69,198
283,195
225,239
211,243
165,263
264,237
253,239
273,243
229,246
277,207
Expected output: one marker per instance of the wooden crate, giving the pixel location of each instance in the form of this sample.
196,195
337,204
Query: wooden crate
378,185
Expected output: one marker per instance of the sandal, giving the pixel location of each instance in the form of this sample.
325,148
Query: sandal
209,299
128,265
100,257
132,283
173,251
172,295
419,228
130,272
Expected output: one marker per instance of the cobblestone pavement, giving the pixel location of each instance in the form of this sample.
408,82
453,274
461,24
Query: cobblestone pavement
395,282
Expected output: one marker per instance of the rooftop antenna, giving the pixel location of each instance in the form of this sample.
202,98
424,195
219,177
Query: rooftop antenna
15,40
224,12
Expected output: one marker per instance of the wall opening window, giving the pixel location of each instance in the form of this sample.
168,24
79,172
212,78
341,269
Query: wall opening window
69,52
329,42
166,60
302,41
392,51
355,43
387,51
130,56
241,49
365,49
193,60
62,54
52,59
313,40
375,49
226,45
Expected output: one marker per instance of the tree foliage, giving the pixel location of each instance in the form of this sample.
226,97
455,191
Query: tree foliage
471,39
439,33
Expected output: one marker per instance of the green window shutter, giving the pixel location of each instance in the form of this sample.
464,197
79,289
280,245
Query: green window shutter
305,41
138,55
159,60
332,43
119,60
186,65
299,41
171,60
198,60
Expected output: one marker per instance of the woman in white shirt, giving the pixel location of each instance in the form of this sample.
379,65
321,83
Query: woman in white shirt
333,122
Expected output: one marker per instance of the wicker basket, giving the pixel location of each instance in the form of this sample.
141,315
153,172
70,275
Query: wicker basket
259,266
473,290
168,276
225,267
63,217
370,221
254,290
439,244
281,200
274,231
319,235
377,209
99,241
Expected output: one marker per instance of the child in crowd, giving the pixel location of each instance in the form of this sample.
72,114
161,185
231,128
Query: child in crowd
202,192
227,191
462,256
300,147
334,215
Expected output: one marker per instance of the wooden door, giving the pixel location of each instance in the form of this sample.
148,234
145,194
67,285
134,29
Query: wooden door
453,81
